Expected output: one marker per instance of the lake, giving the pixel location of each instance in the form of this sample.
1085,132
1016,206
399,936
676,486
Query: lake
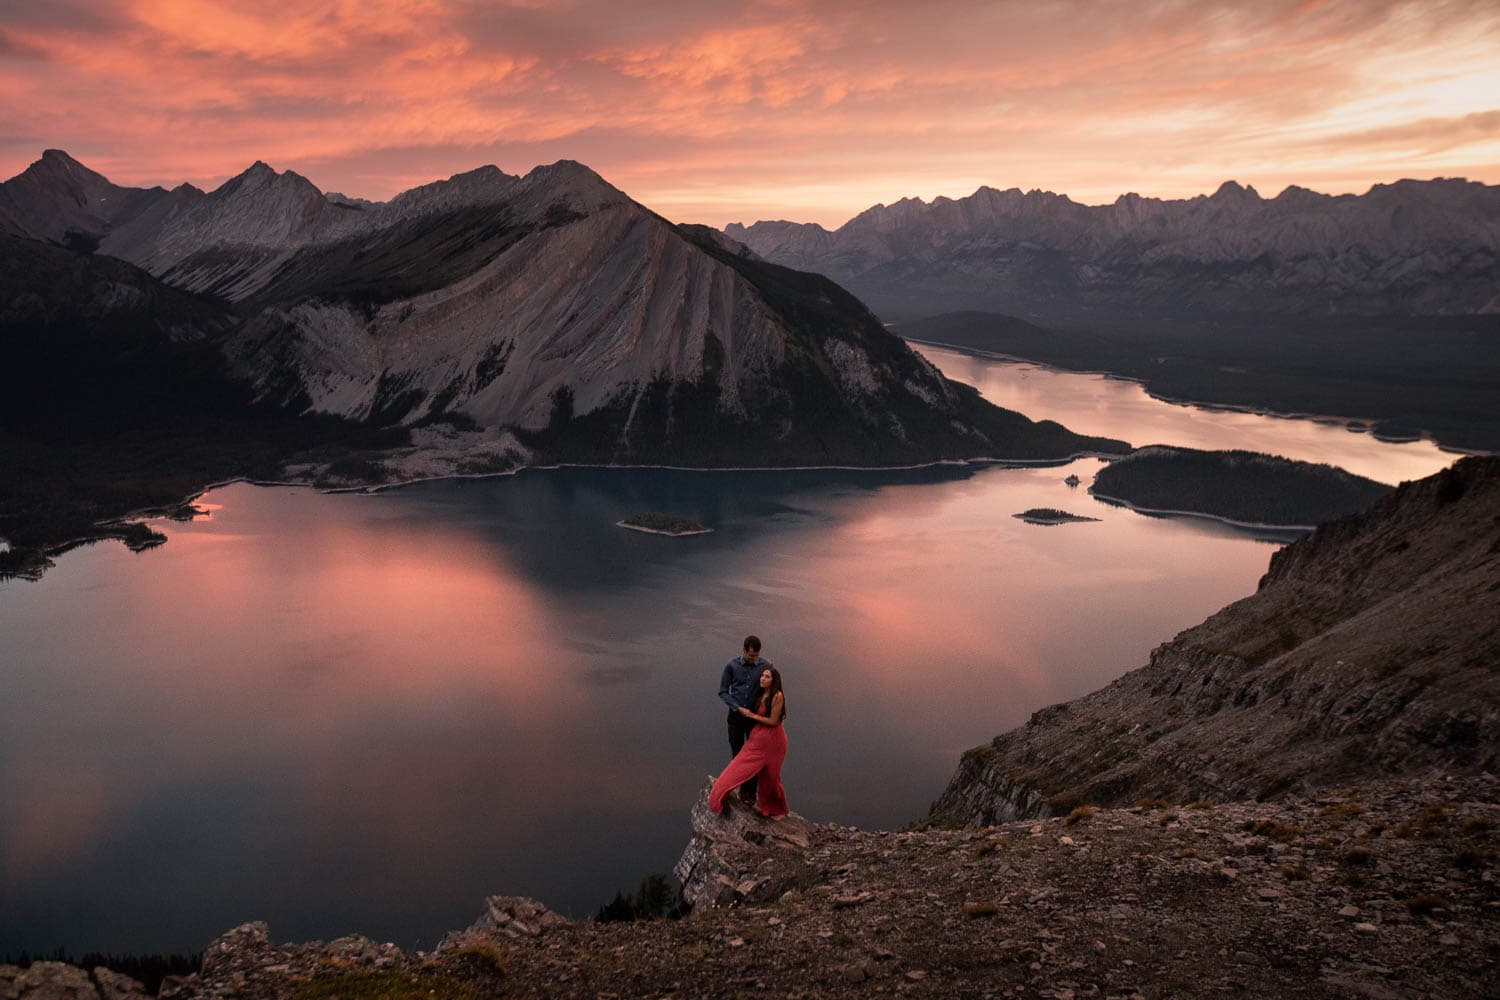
363,713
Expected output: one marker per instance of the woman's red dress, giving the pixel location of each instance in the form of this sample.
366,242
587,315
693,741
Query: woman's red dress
761,757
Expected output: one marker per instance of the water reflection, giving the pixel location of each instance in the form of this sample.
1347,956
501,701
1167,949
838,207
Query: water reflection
1099,404
365,713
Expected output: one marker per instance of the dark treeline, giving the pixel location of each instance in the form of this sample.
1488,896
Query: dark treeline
656,899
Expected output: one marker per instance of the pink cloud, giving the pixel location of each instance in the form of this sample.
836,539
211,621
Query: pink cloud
713,112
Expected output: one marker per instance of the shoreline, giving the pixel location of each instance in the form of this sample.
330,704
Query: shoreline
1259,525
142,514
663,531
1355,425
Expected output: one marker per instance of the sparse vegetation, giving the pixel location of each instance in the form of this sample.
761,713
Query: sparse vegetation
1079,815
1275,830
424,985
1424,904
484,953
1426,824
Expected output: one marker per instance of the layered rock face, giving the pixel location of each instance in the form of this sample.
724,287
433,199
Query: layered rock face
1411,248
550,305
1370,649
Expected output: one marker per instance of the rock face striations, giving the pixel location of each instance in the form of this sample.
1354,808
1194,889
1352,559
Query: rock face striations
1370,649
1409,248
550,305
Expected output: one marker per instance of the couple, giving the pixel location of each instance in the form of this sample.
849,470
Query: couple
751,687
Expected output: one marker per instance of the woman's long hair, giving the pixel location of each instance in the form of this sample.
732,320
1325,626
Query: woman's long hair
768,696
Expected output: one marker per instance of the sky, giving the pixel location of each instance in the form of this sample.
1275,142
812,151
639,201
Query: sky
718,112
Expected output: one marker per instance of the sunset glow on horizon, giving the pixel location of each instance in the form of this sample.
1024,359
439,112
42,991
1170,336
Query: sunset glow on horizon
723,112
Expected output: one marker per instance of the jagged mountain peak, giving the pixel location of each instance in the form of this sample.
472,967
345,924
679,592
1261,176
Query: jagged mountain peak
260,175
569,174
59,156
478,186
1232,190
56,167
1407,248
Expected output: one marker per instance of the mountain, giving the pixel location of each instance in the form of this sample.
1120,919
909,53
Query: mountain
59,200
1411,248
493,321
1367,652
551,304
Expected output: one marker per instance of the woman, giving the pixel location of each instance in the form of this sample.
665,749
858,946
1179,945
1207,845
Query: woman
762,754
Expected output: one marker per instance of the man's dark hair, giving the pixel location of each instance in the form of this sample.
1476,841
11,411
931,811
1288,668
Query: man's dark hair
752,643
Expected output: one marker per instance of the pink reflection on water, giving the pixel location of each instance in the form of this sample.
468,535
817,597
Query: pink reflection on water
55,810
1100,405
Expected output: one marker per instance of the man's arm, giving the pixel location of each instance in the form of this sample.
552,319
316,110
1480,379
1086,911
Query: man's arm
724,683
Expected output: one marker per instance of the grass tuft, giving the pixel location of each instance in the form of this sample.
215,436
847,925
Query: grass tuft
1423,904
390,986
1079,815
1274,829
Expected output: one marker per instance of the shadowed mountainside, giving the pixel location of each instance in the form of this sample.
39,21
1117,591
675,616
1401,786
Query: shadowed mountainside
1368,650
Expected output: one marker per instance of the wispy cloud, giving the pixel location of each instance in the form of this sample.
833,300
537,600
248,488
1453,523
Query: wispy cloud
739,110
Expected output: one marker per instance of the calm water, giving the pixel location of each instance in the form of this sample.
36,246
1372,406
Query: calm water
346,713
1097,404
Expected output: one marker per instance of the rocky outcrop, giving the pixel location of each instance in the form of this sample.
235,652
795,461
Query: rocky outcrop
738,856
60,981
505,918
1382,890
1369,649
1409,248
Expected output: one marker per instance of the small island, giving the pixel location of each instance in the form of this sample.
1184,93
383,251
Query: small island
1238,486
1050,515
655,523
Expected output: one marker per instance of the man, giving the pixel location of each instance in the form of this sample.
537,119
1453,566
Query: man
738,688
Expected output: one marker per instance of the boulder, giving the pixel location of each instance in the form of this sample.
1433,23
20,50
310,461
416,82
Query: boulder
512,917
51,981
118,986
738,855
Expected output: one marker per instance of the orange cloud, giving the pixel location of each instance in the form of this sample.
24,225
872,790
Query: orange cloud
797,109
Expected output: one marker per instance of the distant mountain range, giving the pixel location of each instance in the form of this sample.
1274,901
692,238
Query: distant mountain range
1412,248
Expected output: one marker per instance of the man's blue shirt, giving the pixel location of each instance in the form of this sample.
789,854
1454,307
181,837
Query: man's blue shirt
741,682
